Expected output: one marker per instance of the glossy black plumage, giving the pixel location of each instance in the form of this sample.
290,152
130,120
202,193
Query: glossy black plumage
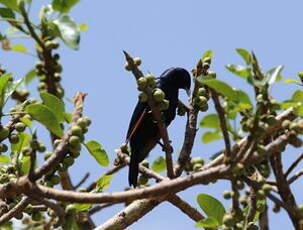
146,134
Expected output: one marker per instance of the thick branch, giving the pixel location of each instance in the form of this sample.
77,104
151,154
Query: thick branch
130,214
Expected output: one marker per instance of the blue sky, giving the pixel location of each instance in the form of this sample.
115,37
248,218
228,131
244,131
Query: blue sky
166,34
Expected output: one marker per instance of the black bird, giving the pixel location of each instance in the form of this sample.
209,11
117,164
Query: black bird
143,133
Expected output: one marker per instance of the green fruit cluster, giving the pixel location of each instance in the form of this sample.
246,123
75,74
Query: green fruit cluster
201,99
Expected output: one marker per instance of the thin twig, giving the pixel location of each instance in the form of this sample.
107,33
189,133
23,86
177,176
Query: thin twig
15,210
108,172
223,123
293,165
82,181
295,177
98,208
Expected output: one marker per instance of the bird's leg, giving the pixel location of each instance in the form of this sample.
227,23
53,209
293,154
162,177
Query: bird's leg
164,147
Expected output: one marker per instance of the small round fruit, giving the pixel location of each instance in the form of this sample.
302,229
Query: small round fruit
158,95
143,180
19,216
137,61
81,122
202,91
276,208
3,148
150,80
127,66
4,132
36,216
74,140
142,83
76,129
266,188
68,161
26,151
164,105
228,219
197,160
211,74
143,97
41,147
87,121
239,185
203,108
227,194
55,179
47,155
145,164
197,166
13,138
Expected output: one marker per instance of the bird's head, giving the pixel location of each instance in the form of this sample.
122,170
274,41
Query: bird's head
177,77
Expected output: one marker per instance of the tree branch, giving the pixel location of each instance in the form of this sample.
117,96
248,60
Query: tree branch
15,210
293,165
223,124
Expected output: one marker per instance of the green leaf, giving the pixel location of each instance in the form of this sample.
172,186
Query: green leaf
103,182
4,159
7,13
3,84
26,121
83,27
63,6
208,53
12,4
69,31
210,121
293,81
25,164
24,139
82,207
54,104
208,222
159,164
273,75
221,87
239,70
211,136
19,48
245,55
97,151
11,86
299,111
297,96
211,206
287,104
46,117
30,76
68,117
243,101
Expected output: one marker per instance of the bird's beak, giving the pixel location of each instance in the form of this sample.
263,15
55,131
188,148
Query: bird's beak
188,92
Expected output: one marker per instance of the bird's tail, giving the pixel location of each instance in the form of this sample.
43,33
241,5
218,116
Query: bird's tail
133,171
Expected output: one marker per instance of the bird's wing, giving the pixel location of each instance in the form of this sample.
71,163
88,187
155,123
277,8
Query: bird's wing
138,116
